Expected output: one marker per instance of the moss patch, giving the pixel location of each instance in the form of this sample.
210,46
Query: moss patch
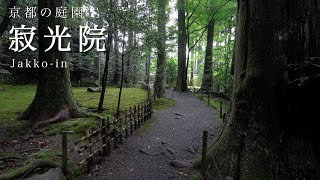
27,167
15,99
129,98
77,126
163,103
195,175
147,126
215,104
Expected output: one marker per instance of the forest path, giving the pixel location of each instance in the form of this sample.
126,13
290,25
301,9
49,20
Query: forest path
176,134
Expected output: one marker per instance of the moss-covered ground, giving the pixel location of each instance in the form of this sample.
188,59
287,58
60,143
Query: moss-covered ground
15,99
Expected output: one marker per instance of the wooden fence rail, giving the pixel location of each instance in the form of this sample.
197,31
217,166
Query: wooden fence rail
111,132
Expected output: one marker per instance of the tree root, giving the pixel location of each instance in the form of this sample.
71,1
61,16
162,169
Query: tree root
61,116
23,171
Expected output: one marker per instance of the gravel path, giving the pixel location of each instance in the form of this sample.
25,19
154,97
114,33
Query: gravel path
175,135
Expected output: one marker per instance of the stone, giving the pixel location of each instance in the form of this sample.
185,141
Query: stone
191,150
94,89
180,164
52,174
170,150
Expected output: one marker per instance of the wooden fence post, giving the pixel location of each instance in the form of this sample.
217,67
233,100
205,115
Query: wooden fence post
120,128
115,131
139,115
130,119
220,109
109,136
145,111
194,91
204,154
64,152
150,108
126,122
208,99
104,136
134,117
89,159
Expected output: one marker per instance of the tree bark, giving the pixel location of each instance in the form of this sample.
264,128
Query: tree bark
270,133
54,100
128,79
182,42
6,20
105,73
161,63
117,64
207,79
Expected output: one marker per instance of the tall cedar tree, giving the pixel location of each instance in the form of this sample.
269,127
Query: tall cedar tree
54,100
161,63
181,85
207,79
271,132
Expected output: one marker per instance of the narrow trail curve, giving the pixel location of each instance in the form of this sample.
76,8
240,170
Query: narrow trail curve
146,156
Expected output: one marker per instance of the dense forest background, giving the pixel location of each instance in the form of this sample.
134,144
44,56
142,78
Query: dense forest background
260,56
138,22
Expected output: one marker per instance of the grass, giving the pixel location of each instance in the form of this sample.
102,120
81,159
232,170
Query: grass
15,99
215,104
163,103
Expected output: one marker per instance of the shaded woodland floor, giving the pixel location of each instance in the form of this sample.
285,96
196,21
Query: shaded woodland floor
175,134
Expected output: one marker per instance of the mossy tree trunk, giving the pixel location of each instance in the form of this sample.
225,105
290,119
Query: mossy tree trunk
54,100
161,46
271,132
181,85
6,19
207,79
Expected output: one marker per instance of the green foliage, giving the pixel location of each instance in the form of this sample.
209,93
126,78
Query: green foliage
196,175
171,71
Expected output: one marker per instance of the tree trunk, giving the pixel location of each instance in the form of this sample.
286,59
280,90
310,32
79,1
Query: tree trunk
207,79
54,100
182,42
191,73
161,63
271,132
105,73
128,79
117,63
6,20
